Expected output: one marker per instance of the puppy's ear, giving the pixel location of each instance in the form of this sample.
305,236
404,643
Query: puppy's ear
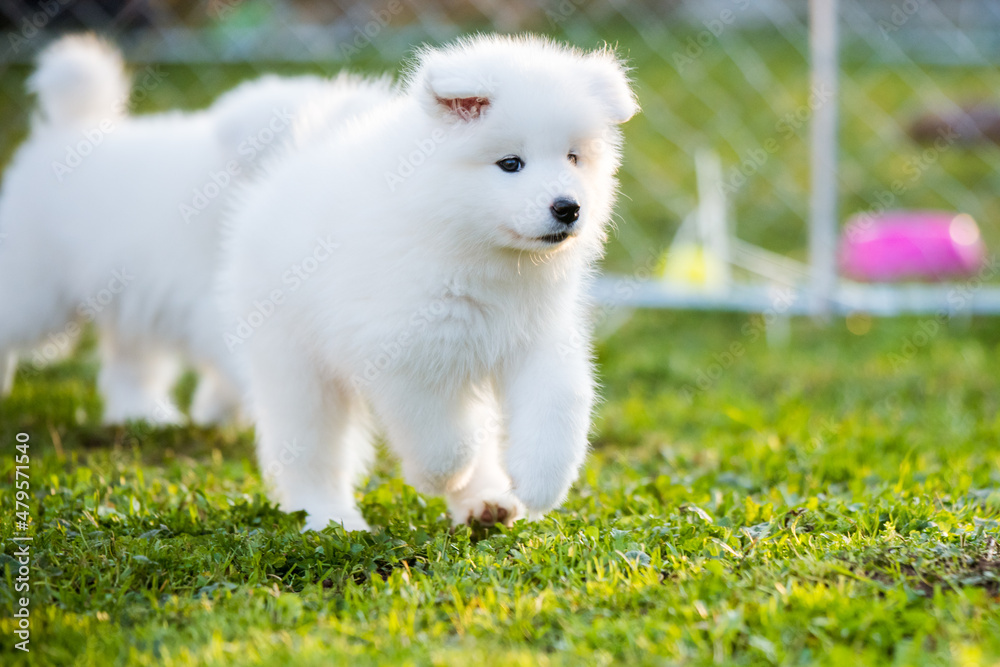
454,95
609,83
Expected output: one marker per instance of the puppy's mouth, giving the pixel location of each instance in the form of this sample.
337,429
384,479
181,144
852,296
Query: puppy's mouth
554,238
551,240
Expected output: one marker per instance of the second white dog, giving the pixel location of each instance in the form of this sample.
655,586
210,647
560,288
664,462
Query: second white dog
427,267
115,219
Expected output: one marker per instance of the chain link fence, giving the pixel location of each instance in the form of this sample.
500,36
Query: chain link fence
919,107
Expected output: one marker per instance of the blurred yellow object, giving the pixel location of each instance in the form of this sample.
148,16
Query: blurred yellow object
692,264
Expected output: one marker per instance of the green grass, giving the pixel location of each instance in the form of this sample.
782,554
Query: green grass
835,501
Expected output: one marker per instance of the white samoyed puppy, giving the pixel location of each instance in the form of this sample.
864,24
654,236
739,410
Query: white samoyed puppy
115,219
458,225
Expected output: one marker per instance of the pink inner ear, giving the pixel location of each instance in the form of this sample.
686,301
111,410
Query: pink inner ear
466,108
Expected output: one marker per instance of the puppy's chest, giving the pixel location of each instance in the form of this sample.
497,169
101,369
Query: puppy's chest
473,331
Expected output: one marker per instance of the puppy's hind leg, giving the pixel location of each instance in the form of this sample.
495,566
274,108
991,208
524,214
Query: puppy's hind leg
222,380
8,357
216,399
313,439
135,381
8,366
29,309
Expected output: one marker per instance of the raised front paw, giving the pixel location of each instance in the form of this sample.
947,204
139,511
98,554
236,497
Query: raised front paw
538,492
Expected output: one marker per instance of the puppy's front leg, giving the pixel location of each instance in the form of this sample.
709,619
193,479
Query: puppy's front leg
433,432
549,395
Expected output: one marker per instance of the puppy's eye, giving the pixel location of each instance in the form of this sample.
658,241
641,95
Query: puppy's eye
511,163
573,157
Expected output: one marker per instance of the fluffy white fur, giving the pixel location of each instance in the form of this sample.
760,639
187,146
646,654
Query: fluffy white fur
394,274
100,220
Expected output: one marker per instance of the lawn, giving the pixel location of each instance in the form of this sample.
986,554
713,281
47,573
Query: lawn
831,500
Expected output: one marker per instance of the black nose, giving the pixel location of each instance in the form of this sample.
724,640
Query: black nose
565,210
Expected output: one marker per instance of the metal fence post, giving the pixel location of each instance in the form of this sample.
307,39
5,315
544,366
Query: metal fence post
823,18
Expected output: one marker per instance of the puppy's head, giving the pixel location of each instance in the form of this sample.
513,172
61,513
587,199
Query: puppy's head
532,140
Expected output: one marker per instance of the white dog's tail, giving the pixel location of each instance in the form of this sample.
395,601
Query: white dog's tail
80,78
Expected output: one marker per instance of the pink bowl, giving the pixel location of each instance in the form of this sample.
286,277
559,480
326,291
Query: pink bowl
911,245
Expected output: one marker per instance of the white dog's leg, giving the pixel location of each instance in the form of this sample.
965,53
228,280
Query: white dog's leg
220,391
549,395
29,308
215,400
487,497
135,380
433,432
313,440
8,366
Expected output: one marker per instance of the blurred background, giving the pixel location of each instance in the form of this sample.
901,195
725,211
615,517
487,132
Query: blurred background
726,78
